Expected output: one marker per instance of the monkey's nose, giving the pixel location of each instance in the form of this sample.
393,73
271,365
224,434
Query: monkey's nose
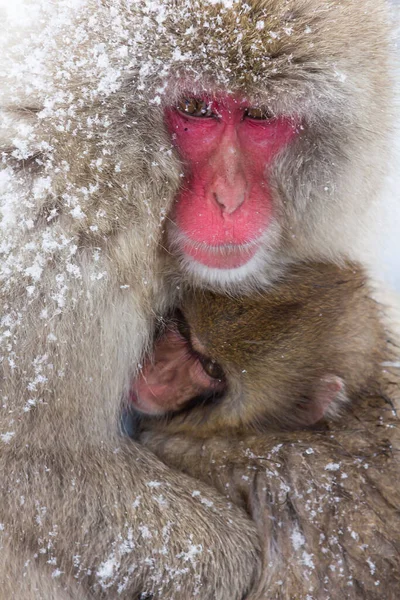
229,200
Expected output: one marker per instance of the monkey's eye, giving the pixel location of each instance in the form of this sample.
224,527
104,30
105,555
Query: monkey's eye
258,114
212,368
195,107
209,366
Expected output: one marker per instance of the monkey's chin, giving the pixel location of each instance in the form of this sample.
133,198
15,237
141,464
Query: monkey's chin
258,272
259,266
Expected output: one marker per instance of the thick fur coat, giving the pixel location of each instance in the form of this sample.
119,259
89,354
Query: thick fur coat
89,176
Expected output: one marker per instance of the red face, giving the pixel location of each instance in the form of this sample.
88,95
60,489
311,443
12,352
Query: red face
224,209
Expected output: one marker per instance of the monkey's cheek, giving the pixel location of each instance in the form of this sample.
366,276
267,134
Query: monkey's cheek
145,404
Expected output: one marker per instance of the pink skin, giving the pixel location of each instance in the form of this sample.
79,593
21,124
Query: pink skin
327,391
225,202
171,377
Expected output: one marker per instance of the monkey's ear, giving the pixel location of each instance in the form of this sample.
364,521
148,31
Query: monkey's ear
327,397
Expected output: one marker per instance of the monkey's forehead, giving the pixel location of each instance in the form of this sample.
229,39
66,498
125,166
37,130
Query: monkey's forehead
261,48
270,50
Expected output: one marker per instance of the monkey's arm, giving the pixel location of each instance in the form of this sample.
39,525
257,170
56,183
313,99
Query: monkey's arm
108,521
325,503
84,512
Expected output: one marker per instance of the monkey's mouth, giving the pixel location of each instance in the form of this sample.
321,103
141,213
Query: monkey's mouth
222,256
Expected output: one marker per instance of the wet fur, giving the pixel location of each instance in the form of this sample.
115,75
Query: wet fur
326,502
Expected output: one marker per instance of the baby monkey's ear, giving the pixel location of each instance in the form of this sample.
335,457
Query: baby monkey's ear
328,396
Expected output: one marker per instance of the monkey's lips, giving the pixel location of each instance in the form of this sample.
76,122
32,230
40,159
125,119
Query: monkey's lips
229,256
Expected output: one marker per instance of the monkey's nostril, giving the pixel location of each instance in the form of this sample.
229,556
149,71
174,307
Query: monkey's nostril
229,202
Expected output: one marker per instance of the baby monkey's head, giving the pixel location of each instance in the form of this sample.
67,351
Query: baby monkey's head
289,356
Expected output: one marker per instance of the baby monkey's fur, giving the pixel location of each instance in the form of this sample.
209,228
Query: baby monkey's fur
325,499
317,333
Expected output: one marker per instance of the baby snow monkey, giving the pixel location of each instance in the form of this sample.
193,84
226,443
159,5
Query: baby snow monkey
288,357
238,394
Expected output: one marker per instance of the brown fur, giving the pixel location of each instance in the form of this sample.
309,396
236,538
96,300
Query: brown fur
325,501
276,348
89,179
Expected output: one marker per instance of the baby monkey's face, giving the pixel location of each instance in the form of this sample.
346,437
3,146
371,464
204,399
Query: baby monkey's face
233,363
180,371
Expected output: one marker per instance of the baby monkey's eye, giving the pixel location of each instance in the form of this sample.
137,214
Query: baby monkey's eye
212,368
209,366
195,107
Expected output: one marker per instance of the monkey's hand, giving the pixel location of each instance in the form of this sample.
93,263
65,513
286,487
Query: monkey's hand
251,473
313,498
131,519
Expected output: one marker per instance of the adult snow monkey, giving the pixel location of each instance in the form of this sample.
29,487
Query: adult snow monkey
222,140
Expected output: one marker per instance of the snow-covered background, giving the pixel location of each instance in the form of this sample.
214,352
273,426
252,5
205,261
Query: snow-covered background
20,12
